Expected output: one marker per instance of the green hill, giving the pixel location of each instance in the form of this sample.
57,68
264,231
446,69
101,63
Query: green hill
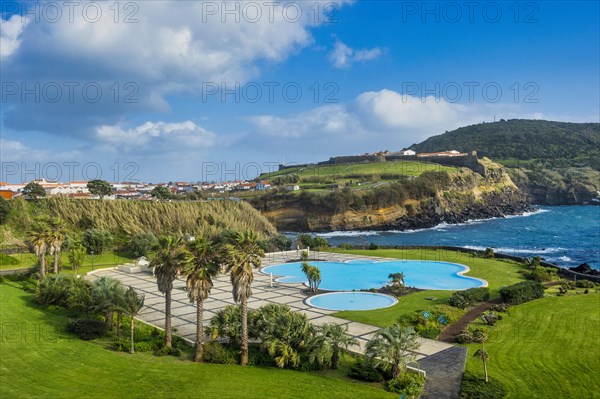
556,163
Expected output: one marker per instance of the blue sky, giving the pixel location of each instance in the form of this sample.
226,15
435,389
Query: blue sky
138,100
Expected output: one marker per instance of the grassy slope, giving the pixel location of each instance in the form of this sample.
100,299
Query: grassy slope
407,168
108,259
548,348
53,365
497,273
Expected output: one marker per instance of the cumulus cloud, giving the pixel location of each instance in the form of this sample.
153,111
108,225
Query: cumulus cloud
10,32
374,120
163,49
161,136
343,56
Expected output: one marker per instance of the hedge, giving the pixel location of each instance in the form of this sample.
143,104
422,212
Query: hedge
522,292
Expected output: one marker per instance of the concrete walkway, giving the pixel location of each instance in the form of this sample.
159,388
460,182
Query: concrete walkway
184,313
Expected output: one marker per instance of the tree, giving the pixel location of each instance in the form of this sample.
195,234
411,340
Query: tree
314,278
96,240
108,294
77,254
169,260
100,188
131,305
56,237
397,279
204,266
38,238
142,244
286,335
488,253
33,190
161,192
242,258
485,357
328,344
392,348
4,210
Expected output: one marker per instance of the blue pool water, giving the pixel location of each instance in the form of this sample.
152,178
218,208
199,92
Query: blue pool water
365,274
351,301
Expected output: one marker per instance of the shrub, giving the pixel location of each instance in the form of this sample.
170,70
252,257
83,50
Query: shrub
97,240
463,337
408,384
488,253
473,387
489,318
87,329
365,371
463,299
217,353
499,308
373,246
313,242
54,289
142,244
345,245
281,242
585,284
522,292
541,274
7,260
568,285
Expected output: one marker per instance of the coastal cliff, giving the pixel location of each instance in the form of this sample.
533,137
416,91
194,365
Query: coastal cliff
441,197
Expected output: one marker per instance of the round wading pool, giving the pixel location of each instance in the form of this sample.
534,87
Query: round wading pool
351,301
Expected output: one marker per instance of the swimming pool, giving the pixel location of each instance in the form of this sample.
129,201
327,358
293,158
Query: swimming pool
364,274
351,301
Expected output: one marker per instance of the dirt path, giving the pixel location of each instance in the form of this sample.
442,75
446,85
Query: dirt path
451,331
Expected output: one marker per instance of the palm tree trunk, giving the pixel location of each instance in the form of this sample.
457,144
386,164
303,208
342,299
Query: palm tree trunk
335,359
108,316
244,352
168,333
56,258
131,327
119,320
42,266
199,331
483,357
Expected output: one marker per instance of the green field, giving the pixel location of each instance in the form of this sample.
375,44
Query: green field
368,170
107,259
496,272
548,348
37,359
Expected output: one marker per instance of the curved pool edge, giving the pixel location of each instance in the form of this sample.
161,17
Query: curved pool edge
308,302
460,273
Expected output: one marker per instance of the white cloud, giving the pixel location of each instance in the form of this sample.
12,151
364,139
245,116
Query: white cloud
10,32
342,56
161,136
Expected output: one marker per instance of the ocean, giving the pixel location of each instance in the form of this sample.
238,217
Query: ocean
563,235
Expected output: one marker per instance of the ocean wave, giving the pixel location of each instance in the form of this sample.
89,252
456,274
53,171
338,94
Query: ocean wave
439,227
510,250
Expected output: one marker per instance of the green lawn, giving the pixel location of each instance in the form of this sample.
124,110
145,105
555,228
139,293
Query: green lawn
406,168
107,259
548,348
496,272
38,360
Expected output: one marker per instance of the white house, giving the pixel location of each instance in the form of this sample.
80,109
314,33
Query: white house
406,152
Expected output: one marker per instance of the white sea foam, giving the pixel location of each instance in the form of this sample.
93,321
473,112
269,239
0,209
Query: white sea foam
508,250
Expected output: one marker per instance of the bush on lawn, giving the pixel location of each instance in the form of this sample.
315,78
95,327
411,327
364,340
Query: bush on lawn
217,353
585,284
7,260
466,298
522,292
408,384
463,337
365,371
474,387
87,329
541,274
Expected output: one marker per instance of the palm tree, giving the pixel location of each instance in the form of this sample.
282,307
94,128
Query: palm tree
482,353
286,335
397,279
392,347
107,294
242,258
131,306
56,236
38,237
170,258
204,266
314,278
328,344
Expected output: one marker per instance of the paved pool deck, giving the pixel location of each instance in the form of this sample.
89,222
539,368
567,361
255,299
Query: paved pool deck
291,294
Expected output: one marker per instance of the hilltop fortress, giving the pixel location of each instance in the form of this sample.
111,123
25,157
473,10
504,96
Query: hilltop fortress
447,158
